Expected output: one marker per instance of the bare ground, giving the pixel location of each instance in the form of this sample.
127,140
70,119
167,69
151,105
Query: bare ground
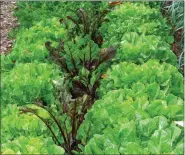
7,21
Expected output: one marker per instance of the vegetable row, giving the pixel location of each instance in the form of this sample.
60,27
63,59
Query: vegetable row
140,95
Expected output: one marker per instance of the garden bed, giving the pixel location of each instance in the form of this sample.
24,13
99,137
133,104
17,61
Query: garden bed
91,78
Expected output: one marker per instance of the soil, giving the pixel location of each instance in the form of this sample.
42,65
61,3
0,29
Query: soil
8,22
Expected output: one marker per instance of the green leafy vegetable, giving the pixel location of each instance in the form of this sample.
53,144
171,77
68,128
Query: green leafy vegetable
159,76
29,82
33,145
134,17
140,48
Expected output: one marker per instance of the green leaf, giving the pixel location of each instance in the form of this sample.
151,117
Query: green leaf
54,149
179,149
170,39
146,127
131,148
8,151
153,90
93,148
157,107
162,141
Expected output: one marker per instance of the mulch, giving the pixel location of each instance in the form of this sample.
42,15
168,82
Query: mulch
8,22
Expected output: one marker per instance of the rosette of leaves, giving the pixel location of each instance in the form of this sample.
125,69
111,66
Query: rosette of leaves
75,51
29,82
134,17
140,48
86,23
125,75
83,61
123,105
31,145
79,54
15,124
149,136
30,43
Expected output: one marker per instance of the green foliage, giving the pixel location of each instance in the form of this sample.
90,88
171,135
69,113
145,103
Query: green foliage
123,105
138,105
29,13
66,117
30,79
134,17
125,138
133,121
30,43
40,25
6,63
83,61
15,124
28,82
163,77
140,48
31,145
154,4
79,48
139,32
36,139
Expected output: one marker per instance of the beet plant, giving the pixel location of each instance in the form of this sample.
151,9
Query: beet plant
82,60
74,102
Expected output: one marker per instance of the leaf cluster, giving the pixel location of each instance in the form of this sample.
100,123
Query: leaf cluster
134,17
140,48
125,75
135,117
33,145
28,82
